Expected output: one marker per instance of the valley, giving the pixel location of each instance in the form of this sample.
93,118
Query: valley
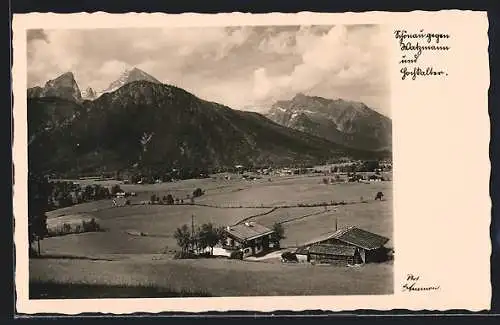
307,167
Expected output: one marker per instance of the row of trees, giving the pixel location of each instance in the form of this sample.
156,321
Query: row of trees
64,194
169,198
152,175
365,166
199,239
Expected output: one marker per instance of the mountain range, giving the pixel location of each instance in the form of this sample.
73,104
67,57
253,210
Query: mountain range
63,86
138,122
352,124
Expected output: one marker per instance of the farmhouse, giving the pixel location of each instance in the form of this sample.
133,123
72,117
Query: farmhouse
249,237
119,201
348,245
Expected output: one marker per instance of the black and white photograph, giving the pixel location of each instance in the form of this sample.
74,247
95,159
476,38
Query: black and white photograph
259,165
209,162
254,163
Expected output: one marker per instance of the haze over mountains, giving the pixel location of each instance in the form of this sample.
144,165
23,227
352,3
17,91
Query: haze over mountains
138,122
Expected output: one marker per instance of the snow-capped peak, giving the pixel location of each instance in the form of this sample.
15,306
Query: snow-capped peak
127,76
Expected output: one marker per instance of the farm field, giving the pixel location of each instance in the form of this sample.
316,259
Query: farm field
219,277
138,243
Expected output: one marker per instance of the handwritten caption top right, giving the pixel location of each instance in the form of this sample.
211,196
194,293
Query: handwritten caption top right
414,46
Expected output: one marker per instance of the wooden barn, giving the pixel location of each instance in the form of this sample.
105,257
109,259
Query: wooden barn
251,238
334,254
348,245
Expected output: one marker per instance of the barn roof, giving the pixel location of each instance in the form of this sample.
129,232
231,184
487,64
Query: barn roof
353,236
302,250
332,250
363,238
248,231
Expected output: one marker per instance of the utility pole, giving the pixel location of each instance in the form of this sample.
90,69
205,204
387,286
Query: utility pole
38,241
192,232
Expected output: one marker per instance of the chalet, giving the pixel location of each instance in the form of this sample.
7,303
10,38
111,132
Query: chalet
249,237
348,245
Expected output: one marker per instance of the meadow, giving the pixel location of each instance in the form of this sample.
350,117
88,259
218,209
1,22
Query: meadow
136,248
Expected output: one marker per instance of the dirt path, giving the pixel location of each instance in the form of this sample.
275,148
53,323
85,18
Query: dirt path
272,255
255,216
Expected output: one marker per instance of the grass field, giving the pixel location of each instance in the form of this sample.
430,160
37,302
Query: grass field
122,259
218,277
44,289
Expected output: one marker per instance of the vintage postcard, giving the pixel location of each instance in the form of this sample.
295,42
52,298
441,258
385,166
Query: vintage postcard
241,162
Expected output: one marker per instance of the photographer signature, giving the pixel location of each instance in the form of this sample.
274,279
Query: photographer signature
411,284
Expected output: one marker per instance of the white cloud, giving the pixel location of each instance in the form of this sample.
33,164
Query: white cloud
239,67
351,61
282,43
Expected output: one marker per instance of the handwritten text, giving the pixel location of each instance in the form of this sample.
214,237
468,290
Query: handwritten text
411,284
413,46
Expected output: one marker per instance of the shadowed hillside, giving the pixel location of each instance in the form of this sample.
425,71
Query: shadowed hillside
146,125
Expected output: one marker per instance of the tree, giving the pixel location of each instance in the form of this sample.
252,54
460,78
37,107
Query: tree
39,192
63,199
169,199
278,234
370,166
208,236
198,192
379,196
105,192
183,237
116,189
221,235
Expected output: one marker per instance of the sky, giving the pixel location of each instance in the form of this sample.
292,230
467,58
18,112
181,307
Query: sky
247,67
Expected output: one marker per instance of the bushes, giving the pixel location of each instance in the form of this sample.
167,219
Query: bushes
236,255
116,189
198,192
66,228
75,228
90,226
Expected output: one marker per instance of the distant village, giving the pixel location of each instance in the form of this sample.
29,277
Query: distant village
353,170
66,193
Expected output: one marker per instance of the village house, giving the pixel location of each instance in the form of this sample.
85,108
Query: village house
251,238
345,246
